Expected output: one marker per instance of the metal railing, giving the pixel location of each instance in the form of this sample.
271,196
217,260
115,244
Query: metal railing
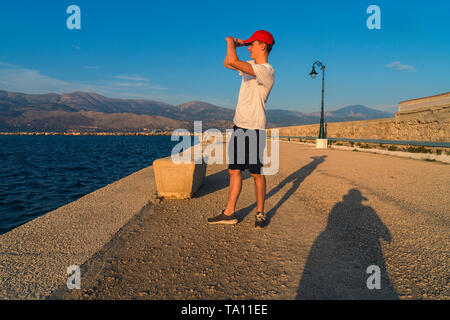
393,142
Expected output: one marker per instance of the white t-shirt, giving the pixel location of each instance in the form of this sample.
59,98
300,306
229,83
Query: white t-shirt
251,106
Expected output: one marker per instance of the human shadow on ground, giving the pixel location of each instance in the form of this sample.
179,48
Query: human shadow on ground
337,264
296,178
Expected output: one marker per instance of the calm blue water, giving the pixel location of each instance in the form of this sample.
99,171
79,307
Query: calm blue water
41,173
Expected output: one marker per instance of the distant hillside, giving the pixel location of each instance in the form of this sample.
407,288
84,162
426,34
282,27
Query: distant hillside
83,111
284,118
198,110
357,112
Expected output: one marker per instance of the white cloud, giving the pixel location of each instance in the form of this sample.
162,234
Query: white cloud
19,79
398,66
156,87
132,77
131,84
16,78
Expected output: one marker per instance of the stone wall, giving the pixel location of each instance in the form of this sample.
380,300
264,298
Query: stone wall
419,127
440,112
426,102
423,119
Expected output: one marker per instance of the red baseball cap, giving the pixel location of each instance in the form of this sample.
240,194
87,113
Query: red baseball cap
261,35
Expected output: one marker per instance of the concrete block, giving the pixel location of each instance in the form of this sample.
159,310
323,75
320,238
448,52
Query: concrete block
321,143
178,180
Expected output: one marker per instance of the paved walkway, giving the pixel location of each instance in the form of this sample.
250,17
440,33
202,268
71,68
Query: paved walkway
331,214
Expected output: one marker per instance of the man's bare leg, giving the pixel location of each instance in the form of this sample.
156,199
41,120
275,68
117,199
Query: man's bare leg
260,191
234,190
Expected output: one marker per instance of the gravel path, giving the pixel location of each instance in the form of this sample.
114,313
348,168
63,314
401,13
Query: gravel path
321,235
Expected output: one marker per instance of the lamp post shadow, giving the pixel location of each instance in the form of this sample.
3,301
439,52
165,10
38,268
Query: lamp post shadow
337,264
296,178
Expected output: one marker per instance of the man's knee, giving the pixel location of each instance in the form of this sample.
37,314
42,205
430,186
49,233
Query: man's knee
234,172
257,177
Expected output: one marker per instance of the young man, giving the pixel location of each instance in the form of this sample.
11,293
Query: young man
249,121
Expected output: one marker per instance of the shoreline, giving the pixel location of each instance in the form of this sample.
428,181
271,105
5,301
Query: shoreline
85,134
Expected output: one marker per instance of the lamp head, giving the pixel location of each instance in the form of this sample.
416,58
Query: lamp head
313,73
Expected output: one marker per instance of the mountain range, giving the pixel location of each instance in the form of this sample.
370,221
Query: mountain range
91,112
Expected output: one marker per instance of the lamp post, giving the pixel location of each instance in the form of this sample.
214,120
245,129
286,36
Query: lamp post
313,74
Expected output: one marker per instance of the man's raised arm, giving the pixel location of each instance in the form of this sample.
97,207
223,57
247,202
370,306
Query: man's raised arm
232,59
225,63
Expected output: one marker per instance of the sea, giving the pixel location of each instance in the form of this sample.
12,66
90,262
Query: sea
40,173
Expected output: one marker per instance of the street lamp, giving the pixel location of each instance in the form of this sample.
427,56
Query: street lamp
313,75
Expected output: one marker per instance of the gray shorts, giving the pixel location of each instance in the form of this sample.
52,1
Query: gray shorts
251,150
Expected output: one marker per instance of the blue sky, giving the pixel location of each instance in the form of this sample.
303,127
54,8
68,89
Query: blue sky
172,51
